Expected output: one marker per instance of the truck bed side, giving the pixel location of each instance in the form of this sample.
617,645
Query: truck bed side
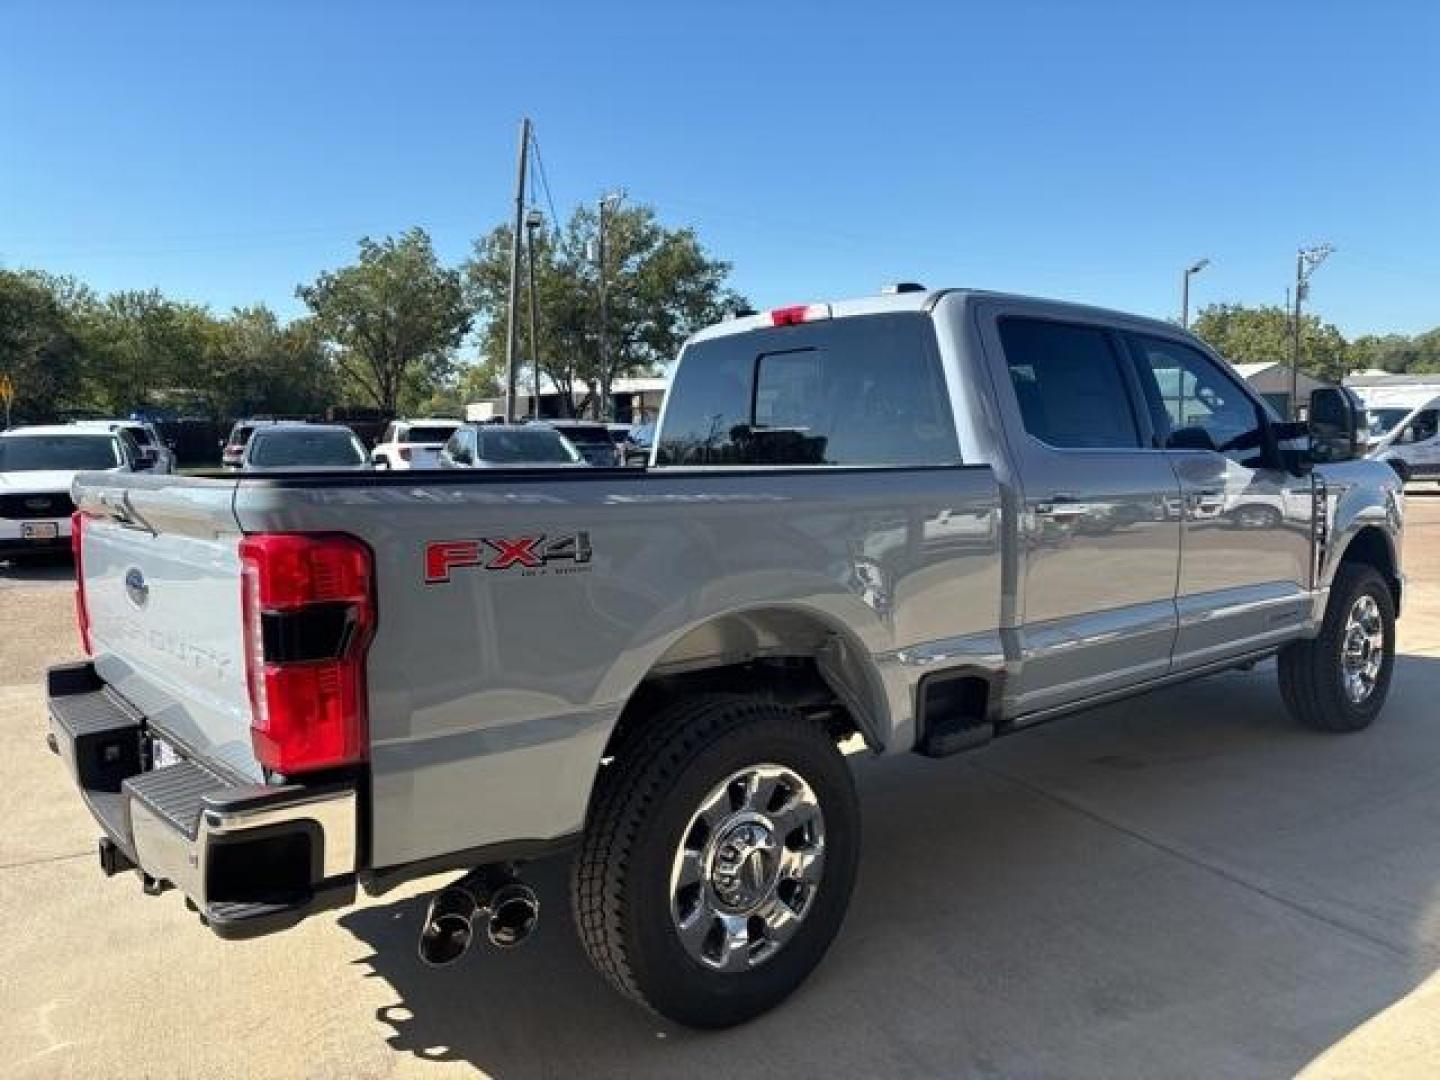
493,691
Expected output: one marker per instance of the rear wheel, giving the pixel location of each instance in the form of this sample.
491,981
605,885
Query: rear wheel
1339,680
719,859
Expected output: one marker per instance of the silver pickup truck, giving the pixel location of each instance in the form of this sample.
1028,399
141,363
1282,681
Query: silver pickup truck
915,522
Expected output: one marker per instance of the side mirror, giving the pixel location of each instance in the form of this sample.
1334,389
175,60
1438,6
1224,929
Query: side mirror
143,465
1334,424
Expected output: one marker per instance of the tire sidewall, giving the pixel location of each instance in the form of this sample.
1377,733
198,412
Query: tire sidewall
1354,584
671,979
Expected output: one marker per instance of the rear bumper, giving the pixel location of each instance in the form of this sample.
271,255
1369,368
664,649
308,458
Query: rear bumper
250,859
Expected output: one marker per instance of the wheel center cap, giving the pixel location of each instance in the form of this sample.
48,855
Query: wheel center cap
744,865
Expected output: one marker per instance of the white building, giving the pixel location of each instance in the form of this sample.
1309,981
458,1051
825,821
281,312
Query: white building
635,400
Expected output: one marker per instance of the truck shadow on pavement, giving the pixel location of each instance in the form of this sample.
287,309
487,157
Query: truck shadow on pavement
1179,884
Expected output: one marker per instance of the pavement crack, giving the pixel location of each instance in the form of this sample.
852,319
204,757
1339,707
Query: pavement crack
45,859
1196,861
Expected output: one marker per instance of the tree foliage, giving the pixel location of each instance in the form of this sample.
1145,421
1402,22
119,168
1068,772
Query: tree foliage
1263,334
661,287
395,317
38,350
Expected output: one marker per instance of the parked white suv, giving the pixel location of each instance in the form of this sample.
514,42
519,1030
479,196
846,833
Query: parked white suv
413,444
37,467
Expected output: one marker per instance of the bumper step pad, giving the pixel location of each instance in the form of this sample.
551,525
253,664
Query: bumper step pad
175,794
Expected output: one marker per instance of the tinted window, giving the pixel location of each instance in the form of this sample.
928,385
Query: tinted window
1382,420
1069,384
139,434
30,453
1421,428
596,434
539,446
865,390
434,433
1204,407
316,449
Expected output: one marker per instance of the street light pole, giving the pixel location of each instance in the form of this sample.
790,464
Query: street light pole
533,221
608,202
1192,269
1307,260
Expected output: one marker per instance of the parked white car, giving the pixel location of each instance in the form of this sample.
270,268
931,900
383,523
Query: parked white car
152,447
37,467
413,444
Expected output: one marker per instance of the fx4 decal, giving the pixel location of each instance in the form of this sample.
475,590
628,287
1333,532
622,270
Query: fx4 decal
533,553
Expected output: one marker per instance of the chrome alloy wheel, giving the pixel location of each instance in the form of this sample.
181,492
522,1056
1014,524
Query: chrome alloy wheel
1362,649
748,868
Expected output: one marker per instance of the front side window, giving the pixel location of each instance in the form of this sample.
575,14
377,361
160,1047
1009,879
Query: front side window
1069,384
860,391
1204,407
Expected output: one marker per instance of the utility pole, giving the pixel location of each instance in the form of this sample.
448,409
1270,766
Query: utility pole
533,221
512,332
1307,260
1191,270
607,202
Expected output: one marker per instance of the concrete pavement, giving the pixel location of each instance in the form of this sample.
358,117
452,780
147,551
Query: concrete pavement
1179,885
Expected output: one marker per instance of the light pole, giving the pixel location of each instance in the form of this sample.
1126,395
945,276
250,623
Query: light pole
533,221
1192,269
608,203
1307,261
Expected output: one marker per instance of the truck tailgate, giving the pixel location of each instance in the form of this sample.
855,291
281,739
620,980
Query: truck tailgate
162,588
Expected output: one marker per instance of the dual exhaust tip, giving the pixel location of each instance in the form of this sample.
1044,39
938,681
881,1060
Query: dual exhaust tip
507,909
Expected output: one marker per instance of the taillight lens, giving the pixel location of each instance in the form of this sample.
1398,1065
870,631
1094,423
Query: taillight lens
82,609
309,615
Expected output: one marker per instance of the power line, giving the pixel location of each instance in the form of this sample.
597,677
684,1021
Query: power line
544,180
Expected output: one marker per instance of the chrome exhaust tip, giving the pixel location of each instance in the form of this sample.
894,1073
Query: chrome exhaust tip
514,913
449,926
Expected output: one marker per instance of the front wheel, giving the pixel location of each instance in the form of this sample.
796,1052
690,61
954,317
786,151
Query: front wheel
719,859
1339,680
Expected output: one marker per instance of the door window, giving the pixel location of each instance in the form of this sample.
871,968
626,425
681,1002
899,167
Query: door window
1069,384
1204,408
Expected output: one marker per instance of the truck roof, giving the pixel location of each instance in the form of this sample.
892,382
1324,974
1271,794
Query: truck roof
56,429
913,300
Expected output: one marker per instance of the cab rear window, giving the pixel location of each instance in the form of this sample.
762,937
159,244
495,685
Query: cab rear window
860,391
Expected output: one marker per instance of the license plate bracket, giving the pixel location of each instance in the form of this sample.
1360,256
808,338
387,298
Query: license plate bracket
39,530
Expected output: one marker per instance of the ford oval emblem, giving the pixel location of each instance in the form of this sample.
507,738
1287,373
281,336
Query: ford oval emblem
136,588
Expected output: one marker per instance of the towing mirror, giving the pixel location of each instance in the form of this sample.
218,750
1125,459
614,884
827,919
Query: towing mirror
1334,424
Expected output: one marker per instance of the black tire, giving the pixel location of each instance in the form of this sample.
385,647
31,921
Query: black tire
640,814
1401,469
1312,680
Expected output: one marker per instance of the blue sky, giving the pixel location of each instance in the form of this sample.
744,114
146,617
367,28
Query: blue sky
226,151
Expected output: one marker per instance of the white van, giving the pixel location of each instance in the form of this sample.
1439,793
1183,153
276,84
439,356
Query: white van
1405,428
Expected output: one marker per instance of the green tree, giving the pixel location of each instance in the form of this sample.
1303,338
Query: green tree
395,317
1262,334
38,352
256,364
661,287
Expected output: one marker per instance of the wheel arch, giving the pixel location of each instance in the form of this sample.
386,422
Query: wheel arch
787,652
1375,547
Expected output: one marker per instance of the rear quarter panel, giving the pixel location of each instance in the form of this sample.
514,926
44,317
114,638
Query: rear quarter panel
492,695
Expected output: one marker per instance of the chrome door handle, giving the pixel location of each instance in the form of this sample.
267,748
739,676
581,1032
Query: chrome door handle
1060,498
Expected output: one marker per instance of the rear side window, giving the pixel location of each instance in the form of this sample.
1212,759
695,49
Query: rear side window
1069,384
139,434
859,391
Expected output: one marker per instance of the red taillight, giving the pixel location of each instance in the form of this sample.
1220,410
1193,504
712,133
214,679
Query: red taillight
309,615
405,453
800,313
82,609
